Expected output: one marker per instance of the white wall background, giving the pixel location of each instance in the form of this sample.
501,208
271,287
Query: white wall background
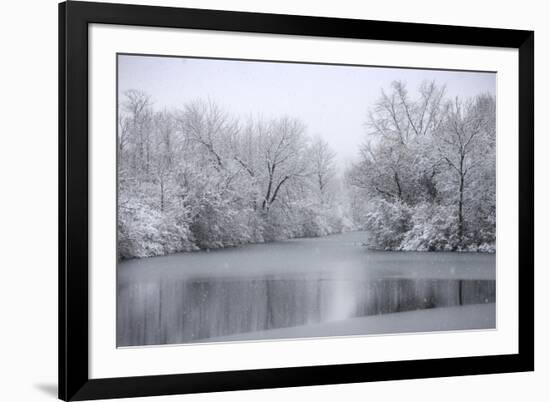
28,199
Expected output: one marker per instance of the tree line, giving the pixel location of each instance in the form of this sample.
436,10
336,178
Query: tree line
426,178
198,178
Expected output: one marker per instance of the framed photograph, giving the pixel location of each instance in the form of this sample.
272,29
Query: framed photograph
257,200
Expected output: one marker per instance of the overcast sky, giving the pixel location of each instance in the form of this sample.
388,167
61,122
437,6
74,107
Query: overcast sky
332,101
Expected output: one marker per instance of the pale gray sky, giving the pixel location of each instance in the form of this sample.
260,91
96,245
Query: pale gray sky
333,101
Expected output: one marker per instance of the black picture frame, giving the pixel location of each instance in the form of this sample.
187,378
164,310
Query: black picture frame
74,381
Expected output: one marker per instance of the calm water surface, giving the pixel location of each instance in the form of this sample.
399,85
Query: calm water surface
192,297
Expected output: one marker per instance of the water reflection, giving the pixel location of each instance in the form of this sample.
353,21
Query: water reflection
158,310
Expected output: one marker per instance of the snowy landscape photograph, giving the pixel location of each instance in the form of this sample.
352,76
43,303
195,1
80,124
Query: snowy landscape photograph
263,200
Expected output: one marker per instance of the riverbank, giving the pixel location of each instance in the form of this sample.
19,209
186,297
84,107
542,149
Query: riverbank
358,240
471,317
342,253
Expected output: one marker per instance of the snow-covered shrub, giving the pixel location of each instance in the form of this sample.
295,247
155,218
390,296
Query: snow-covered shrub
434,228
277,225
306,219
315,223
486,248
145,232
220,220
387,224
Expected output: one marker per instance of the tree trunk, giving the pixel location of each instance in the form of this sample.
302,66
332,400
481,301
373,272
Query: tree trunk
277,189
161,194
265,204
460,210
398,185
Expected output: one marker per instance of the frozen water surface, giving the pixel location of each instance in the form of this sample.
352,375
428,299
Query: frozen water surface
328,286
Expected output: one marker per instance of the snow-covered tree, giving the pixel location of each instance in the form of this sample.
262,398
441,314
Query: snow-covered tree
197,178
429,163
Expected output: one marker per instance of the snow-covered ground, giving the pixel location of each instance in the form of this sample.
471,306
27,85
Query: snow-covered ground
475,316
